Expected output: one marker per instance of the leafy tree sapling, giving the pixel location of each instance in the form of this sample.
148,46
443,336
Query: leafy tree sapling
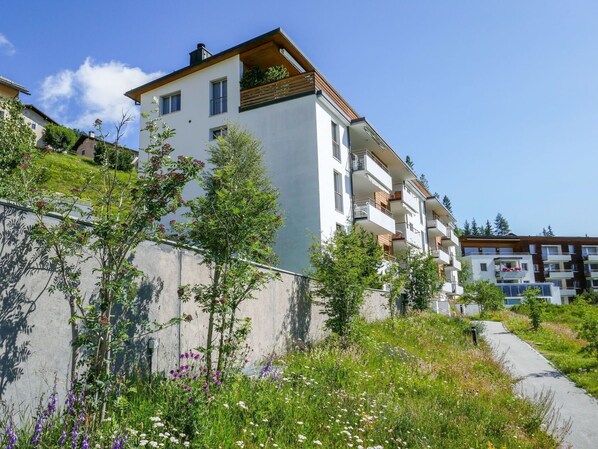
487,295
536,305
422,280
344,267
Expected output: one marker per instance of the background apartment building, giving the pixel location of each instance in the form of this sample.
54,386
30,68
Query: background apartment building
330,165
567,263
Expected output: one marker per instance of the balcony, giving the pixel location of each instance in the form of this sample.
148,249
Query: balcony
441,256
452,289
436,228
568,291
510,273
455,264
591,273
555,258
369,174
374,218
451,239
558,274
590,257
406,236
403,202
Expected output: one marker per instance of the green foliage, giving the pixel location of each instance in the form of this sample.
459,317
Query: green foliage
501,225
122,215
446,202
257,76
59,137
234,225
487,295
536,305
114,156
344,266
409,162
413,382
424,181
16,143
487,228
466,228
590,296
422,280
589,332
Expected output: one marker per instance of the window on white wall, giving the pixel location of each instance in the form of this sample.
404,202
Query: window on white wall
338,191
483,267
218,97
336,147
170,103
218,132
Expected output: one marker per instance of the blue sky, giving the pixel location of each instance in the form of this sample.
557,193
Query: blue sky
496,102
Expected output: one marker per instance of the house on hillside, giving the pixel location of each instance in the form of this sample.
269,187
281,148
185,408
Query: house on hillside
86,145
38,121
331,166
10,89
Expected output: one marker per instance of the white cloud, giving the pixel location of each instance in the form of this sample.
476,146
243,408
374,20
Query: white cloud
6,46
94,90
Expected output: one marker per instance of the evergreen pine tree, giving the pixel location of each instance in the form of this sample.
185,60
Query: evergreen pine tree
447,203
501,225
409,162
424,181
544,233
474,227
488,228
550,233
466,228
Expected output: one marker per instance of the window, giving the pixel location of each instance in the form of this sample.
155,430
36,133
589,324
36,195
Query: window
338,191
336,148
218,95
571,249
33,125
524,266
536,268
217,132
170,103
532,248
483,267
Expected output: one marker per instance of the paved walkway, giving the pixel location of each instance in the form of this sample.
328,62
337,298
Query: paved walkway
538,375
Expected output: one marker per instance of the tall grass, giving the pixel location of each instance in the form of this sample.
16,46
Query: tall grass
415,382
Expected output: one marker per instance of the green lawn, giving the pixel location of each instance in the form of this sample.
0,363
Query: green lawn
64,172
557,341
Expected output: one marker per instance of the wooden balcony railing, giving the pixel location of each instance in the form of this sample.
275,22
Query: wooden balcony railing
304,83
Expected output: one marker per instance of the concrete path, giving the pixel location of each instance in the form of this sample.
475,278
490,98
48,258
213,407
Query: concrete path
539,376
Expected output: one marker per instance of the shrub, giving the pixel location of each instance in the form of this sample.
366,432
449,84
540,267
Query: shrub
589,332
257,76
536,306
59,137
488,296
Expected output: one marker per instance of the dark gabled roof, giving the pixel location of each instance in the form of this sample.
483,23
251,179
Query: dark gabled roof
41,113
13,85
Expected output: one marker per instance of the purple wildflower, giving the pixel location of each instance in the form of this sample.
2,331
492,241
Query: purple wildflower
119,442
11,437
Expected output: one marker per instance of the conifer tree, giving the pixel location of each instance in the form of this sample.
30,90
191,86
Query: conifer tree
501,225
424,181
487,228
446,202
466,228
474,227
409,162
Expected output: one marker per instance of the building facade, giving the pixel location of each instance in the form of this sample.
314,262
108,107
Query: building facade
567,263
330,165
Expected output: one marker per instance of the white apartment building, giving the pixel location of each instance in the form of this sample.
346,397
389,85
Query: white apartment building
330,165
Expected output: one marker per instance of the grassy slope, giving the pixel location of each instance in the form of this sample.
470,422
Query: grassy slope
416,382
64,172
558,341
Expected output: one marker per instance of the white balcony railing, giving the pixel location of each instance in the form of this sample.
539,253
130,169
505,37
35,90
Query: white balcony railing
370,174
403,201
437,228
374,218
441,256
408,234
558,274
556,257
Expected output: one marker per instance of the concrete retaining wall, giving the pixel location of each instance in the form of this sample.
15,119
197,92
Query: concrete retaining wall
34,330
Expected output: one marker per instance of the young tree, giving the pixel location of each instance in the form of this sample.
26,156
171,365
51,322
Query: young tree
16,143
446,202
344,266
409,162
396,279
588,331
487,228
422,280
589,296
501,225
536,305
59,137
234,225
484,293
122,216
466,228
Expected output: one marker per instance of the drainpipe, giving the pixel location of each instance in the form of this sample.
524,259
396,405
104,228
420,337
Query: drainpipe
351,174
